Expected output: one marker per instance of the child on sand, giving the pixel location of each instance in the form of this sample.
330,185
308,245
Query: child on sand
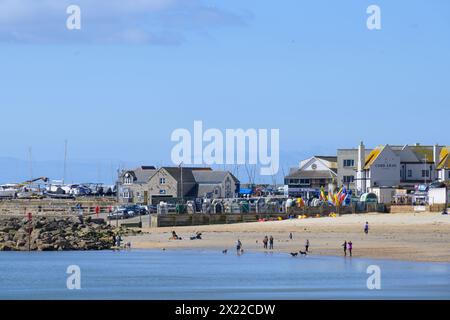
366,228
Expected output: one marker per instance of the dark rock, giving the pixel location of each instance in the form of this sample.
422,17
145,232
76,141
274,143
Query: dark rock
49,234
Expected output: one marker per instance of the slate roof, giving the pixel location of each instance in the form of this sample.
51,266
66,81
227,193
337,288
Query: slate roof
190,186
316,174
328,158
141,174
188,176
211,177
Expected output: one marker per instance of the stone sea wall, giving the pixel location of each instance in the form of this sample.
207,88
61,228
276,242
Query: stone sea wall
54,233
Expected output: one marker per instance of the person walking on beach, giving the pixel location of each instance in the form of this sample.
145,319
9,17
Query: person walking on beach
238,246
345,248
271,243
118,240
291,236
307,246
265,241
366,228
350,247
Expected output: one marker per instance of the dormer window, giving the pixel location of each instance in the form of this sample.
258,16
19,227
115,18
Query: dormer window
128,179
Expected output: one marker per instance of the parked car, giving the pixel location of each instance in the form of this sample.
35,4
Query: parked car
121,213
137,210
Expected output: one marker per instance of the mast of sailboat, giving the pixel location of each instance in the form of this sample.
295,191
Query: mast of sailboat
31,163
65,161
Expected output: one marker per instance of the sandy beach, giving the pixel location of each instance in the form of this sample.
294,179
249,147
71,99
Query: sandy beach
402,236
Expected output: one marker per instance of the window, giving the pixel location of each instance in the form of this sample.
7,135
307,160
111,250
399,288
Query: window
348,179
304,181
409,173
449,174
349,163
425,173
127,195
162,180
162,191
128,179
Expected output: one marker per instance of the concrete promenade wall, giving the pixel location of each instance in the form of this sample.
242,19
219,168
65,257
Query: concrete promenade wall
178,220
54,206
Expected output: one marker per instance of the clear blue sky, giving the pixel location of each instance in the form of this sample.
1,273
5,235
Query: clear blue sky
119,87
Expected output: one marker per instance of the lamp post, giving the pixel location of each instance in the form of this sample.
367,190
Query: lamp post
181,178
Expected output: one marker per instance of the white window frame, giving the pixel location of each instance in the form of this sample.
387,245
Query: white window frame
127,195
128,179
349,163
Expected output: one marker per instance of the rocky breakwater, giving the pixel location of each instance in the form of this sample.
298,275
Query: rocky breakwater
52,234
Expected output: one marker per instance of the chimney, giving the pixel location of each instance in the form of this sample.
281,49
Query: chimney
361,156
436,154
360,174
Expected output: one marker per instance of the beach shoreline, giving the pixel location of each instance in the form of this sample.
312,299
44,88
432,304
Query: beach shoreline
421,237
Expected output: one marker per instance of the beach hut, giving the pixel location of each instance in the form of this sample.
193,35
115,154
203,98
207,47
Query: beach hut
369,198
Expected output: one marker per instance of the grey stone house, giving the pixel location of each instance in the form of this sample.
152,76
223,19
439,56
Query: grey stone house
190,183
216,184
133,184
148,185
173,182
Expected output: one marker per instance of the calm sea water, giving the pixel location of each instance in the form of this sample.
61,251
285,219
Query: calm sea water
195,274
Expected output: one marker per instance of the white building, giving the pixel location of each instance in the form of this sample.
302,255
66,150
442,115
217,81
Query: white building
399,166
347,160
312,174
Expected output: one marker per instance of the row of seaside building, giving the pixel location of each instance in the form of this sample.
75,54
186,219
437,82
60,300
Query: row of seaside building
360,169
364,170
148,184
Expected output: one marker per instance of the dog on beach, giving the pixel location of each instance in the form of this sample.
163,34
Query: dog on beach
225,251
294,254
303,253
